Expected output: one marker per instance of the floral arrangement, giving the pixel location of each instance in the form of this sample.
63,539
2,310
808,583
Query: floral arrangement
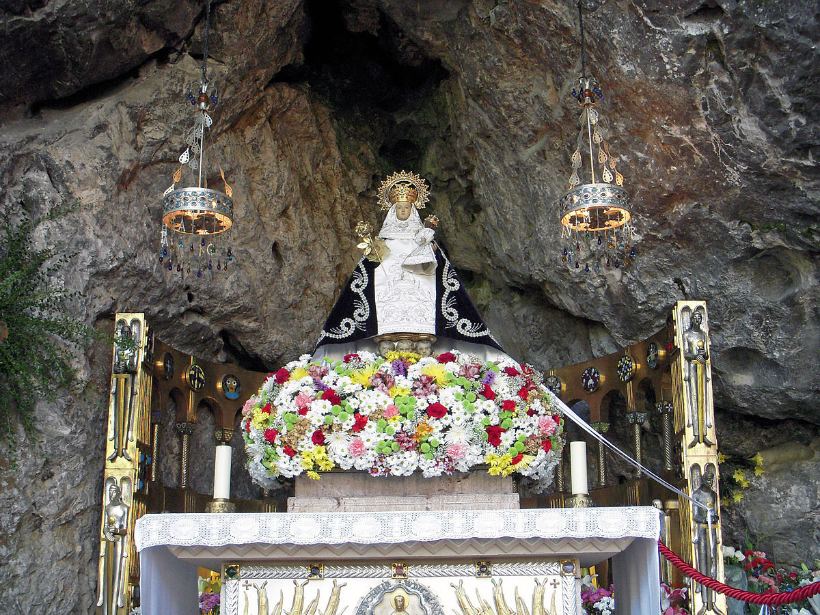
209,594
764,577
395,415
598,600
601,600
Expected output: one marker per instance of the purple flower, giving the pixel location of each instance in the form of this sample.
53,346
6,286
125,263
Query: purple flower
489,377
399,367
208,601
320,385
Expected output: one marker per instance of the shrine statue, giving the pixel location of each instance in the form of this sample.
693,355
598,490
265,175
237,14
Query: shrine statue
706,545
404,293
695,376
113,552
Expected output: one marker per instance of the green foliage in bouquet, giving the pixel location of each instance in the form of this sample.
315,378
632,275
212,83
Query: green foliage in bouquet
35,358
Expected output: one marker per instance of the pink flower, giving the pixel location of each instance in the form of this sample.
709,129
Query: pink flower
546,425
456,450
246,409
303,400
390,411
356,447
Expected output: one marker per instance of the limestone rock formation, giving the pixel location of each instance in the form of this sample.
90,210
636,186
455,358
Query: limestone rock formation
713,106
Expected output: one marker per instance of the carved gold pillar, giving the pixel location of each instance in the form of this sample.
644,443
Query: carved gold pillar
185,430
665,410
601,427
128,462
694,427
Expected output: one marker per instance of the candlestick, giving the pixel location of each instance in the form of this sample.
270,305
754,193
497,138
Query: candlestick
578,465
222,472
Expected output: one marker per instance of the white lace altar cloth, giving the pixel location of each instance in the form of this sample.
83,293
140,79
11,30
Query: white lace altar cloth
171,546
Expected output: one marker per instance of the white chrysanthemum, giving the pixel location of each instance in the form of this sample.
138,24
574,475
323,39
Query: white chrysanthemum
457,434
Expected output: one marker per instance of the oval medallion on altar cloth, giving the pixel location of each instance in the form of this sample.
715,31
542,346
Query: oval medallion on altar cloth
429,526
365,528
550,523
305,529
186,529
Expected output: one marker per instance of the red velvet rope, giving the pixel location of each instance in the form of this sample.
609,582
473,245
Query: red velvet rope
801,593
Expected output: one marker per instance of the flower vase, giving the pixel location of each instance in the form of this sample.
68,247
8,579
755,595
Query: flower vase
736,577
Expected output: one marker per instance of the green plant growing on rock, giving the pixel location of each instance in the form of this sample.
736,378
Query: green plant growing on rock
38,332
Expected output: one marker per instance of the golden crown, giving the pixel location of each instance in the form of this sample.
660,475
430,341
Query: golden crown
404,187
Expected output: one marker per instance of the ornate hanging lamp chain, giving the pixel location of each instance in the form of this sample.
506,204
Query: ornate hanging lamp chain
203,101
583,42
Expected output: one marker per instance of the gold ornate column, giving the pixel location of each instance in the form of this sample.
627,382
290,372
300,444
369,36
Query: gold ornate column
694,425
128,463
601,427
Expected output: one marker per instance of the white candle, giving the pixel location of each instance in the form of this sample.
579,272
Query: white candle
222,473
578,467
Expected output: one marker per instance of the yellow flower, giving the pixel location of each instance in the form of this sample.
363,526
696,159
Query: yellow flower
437,372
410,357
259,420
298,373
737,497
422,431
363,376
399,392
313,475
499,464
758,459
721,458
740,478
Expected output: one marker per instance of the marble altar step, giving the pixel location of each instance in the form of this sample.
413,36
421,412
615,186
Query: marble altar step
359,492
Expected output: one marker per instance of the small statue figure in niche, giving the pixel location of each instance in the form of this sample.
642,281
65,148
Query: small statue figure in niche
113,551
695,375
124,389
261,598
706,546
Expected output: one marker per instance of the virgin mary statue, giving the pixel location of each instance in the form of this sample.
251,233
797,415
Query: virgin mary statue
404,294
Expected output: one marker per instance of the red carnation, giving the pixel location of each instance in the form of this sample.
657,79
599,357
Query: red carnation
333,397
517,459
530,412
446,357
318,437
556,418
547,445
511,371
524,393
267,408
302,411
508,405
488,393
436,411
359,421
494,434
350,357
270,435
289,451
248,426
281,376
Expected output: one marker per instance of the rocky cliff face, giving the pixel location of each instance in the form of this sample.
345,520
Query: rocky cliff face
713,106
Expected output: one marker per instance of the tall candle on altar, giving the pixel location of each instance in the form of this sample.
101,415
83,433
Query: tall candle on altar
222,473
578,467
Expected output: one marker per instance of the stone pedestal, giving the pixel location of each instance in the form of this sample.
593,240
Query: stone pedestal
358,492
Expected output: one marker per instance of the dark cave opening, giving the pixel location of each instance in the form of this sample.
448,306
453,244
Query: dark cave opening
378,81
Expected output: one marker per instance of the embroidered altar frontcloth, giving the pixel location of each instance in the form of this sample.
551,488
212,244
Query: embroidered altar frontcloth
171,546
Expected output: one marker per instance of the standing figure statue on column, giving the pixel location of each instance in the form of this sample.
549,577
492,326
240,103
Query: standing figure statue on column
696,377
123,390
113,552
706,543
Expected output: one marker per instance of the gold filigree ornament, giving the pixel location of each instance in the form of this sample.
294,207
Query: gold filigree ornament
374,249
404,187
